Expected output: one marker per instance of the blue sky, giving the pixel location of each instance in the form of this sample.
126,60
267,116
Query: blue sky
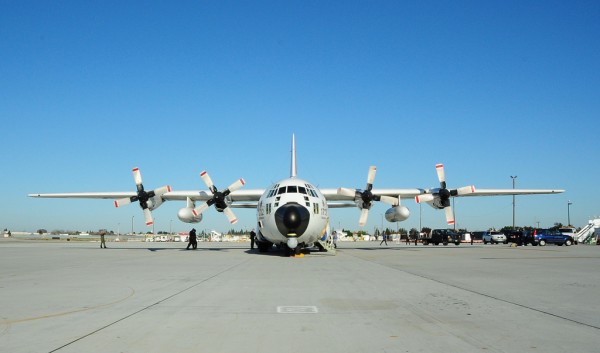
491,89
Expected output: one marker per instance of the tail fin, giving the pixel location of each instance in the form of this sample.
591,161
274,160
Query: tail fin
293,166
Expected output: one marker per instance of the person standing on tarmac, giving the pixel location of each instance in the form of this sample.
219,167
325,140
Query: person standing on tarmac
192,240
252,236
102,240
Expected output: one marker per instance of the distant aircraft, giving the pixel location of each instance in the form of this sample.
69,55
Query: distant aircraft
292,213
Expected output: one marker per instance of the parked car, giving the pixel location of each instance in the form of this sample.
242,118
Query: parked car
494,237
554,236
444,236
520,237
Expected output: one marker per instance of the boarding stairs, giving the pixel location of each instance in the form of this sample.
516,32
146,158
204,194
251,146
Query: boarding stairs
326,245
587,234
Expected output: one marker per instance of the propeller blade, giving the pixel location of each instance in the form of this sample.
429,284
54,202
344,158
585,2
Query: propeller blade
389,200
207,180
148,217
123,201
439,168
364,214
346,192
424,198
162,190
236,185
465,190
230,215
137,176
198,210
449,215
371,175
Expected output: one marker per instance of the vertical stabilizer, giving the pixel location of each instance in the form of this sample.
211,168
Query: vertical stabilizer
293,166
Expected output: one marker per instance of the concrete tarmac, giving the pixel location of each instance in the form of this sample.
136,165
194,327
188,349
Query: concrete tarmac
159,297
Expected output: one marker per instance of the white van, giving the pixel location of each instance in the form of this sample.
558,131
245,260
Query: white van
570,231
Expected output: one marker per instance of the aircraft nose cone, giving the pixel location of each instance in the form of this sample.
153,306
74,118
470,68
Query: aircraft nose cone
292,218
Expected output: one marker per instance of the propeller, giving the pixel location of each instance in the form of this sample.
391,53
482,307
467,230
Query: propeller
365,198
441,197
219,198
143,196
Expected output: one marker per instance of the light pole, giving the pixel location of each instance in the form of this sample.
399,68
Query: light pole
118,231
420,219
132,217
569,203
453,213
513,182
171,227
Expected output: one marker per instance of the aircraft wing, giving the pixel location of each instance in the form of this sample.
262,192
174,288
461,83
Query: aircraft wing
332,194
242,196
500,192
338,201
252,195
335,200
86,195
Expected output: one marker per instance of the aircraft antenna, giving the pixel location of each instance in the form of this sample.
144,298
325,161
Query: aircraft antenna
293,167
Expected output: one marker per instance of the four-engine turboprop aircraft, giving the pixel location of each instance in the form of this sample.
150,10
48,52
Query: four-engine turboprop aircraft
292,213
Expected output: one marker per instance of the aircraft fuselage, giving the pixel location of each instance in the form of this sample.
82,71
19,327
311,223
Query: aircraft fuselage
294,213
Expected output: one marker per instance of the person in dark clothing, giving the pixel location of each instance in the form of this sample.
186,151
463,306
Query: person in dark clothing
192,240
102,240
384,240
252,236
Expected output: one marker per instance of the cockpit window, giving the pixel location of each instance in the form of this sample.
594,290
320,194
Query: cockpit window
292,189
302,189
281,190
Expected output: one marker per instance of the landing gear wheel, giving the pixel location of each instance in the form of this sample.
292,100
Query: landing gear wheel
263,246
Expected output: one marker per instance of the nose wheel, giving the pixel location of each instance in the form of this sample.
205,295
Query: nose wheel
295,252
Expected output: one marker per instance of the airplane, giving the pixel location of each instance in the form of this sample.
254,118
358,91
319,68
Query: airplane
292,213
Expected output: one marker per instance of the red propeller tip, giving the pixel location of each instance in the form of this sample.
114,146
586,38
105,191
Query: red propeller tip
116,204
439,165
135,169
149,223
202,174
243,181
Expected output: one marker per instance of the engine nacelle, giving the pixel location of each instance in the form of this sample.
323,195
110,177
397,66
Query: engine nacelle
154,202
186,215
397,214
